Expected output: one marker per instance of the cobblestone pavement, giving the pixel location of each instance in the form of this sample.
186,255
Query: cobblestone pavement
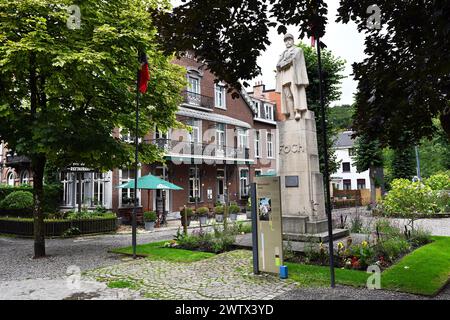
87,252
225,276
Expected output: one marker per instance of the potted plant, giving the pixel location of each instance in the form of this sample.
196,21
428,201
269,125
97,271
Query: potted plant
233,211
202,214
218,211
189,214
149,220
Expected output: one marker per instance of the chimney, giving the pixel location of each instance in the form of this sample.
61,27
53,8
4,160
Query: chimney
258,89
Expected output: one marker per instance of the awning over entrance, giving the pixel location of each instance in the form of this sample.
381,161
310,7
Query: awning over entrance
212,117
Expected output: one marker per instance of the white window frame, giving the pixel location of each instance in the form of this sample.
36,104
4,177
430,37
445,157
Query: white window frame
195,185
11,179
67,182
244,183
220,96
257,144
268,112
25,178
197,88
128,191
242,138
221,136
269,145
258,108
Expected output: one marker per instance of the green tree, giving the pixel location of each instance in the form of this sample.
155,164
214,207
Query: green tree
332,77
403,164
63,91
341,117
369,156
404,81
434,153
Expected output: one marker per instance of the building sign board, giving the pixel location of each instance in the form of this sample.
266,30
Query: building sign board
270,240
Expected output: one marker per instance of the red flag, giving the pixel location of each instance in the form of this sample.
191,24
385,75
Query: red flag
144,74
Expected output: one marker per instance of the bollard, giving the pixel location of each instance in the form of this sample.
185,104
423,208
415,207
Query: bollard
283,272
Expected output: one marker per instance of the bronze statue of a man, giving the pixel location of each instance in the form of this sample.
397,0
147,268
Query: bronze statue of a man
292,79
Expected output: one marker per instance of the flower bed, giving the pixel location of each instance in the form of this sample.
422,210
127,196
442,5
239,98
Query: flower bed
60,227
387,246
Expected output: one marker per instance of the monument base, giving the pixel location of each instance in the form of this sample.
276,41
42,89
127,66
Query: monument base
299,228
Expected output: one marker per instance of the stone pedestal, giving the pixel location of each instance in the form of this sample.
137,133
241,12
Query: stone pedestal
302,190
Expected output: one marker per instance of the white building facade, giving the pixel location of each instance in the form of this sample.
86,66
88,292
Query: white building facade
347,177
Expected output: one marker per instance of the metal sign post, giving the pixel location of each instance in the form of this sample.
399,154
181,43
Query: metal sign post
254,229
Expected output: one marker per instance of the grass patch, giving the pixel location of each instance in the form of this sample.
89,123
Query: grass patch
424,271
311,275
157,251
122,284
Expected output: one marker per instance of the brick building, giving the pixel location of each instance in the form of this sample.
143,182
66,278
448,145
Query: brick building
231,141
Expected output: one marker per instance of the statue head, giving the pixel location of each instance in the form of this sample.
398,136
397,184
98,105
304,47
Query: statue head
289,40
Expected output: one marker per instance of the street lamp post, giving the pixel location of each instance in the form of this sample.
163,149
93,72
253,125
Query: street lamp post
326,168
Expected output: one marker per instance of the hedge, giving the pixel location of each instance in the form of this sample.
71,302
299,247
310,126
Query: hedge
51,201
56,228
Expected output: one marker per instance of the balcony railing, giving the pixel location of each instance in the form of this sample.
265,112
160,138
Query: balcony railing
200,150
14,161
196,100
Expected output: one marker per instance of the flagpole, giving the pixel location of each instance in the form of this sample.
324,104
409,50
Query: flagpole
136,159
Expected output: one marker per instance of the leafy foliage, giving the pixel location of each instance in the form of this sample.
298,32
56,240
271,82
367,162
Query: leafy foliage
439,181
341,117
150,216
409,199
18,200
229,35
404,81
403,164
332,76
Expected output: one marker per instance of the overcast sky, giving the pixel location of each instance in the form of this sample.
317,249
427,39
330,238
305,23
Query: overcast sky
342,39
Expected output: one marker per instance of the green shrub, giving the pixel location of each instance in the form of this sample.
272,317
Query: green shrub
52,197
189,212
18,200
392,248
234,208
219,209
439,181
408,198
150,216
419,237
202,211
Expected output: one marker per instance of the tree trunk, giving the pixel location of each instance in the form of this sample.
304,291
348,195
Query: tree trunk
38,165
373,190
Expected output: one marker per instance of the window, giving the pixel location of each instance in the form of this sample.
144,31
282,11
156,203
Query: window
268,112
220,96
258,108
98,194
66,179
242,138
347,184
269,145
11,179
361,184
351,152
127,195
25,178
220,136
194,84
346,167
258,172
244,185
257,144
194,185
195,134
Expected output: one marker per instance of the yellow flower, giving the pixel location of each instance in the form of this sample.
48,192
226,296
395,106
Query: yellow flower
364,244
340,245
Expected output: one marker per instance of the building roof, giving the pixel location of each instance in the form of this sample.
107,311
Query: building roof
344,140
212,117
